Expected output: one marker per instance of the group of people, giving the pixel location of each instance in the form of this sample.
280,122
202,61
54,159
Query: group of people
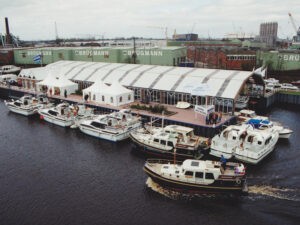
213,118
240,169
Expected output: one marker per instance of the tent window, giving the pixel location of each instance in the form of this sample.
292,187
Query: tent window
103,98
111,100
120,99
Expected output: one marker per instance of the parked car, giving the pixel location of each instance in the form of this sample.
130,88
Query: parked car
286,86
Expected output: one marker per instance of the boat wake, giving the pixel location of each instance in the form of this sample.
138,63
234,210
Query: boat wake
255,192
273,192
175,195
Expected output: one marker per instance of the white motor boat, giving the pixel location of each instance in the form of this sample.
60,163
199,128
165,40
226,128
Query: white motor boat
115,126
170,141
9,69
226,142
244,143
267,124
27,105
63,114
245,114
197,176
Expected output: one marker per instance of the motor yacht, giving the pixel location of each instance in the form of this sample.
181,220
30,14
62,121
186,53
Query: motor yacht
115,126
168,142
197,176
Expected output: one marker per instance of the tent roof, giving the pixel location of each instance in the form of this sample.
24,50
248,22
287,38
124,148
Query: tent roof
223,83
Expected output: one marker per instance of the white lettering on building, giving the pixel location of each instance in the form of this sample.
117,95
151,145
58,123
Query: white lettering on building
291,57
34,53
91,52
144,53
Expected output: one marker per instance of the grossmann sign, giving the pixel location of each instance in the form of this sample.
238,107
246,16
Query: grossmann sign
291,57
144,52
91,52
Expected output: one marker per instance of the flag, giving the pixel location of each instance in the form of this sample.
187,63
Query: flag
37,58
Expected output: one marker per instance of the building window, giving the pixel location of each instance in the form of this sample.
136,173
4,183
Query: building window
129,97
111,100
94,97
103,98
120,99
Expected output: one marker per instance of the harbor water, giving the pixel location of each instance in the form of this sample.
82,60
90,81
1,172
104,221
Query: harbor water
53,175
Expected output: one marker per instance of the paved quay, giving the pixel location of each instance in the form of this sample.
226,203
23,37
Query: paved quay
185,117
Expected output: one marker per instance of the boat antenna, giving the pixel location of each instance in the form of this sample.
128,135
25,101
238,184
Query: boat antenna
174,156
163,119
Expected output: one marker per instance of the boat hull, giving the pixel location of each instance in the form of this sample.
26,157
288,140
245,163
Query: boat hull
22,111
185,187
285,135
105,135
57,121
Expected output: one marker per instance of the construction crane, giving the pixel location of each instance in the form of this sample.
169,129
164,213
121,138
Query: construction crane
165,29
297,37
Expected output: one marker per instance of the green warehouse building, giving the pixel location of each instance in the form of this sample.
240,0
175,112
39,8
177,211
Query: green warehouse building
165,56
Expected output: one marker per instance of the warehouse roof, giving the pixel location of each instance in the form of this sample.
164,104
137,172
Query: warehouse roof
222,83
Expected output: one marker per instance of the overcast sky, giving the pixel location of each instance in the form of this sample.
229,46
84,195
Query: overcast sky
34,19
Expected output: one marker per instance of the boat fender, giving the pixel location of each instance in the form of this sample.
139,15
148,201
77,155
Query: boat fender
238,180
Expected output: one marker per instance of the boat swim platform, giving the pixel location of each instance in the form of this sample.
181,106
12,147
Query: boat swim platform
183,117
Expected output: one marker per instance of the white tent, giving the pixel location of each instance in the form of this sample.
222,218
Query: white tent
115,94
58,85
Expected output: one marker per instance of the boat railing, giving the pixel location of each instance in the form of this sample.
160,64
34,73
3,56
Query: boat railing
163,161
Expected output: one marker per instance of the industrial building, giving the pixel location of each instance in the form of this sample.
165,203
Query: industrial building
268,33
162,84
222,58
165,56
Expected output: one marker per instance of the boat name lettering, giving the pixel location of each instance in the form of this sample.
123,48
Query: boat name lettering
291,57
144,52
91,52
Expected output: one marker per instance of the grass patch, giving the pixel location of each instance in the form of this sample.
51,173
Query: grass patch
156,109
290,92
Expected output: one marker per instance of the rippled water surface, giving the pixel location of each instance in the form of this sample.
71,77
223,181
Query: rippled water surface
52,175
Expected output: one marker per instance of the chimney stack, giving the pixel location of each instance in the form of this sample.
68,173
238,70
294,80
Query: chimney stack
8,37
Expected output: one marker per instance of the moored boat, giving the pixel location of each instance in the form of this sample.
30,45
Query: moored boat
245,114
267,124
245,144
115,126
28,104
197,176
169,141
62,114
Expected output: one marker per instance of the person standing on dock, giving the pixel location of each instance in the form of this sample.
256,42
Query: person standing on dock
50,91
65,93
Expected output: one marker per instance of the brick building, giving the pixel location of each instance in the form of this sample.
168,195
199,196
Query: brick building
222,58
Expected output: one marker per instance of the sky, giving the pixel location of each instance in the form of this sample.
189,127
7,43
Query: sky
35,19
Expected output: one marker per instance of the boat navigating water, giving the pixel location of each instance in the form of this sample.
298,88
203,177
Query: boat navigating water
169,141
115,126
28,104
197,176
244,143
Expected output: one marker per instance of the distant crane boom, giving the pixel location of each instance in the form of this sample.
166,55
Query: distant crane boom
293,22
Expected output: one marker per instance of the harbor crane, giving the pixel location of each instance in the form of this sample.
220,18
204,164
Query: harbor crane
297,36
165,29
